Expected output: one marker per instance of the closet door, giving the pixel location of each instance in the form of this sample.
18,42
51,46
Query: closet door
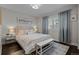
0,42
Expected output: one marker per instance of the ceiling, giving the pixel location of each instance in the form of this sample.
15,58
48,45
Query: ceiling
26,8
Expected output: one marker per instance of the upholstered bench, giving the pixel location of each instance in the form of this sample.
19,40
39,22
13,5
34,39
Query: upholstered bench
47,43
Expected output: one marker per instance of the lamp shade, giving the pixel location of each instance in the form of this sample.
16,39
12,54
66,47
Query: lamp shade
11,30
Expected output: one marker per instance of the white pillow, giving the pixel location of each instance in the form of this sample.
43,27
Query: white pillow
20,32
31,32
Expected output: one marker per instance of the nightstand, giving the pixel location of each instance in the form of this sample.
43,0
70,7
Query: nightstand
9,39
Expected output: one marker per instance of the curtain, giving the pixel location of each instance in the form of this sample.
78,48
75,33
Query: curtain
64,35
45,25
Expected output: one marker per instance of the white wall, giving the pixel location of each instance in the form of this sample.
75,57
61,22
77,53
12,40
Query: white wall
0,42
39,23
0,34
53,27
9,18
74,26
78,27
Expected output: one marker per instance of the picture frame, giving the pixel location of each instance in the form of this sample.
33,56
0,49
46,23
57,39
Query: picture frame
27,21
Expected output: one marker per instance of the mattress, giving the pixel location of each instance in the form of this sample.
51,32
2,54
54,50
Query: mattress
29,41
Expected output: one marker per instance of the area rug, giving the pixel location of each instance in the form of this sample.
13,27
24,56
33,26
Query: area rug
20,52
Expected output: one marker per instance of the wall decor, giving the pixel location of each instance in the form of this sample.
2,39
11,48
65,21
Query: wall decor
24,23
73,18
27,21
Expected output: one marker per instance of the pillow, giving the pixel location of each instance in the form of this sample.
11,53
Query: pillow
31,32
25,32
20,32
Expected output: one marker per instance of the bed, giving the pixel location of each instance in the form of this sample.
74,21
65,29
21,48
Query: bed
28,41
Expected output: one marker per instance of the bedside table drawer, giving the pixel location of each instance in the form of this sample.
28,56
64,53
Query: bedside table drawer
10,41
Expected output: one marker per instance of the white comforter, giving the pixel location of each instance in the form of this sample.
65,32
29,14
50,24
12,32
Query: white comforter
28,42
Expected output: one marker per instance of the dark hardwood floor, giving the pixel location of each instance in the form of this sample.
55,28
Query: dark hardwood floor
10,48
13,47
72,49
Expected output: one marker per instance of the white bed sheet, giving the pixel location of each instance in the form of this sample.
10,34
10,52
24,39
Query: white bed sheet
28,42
